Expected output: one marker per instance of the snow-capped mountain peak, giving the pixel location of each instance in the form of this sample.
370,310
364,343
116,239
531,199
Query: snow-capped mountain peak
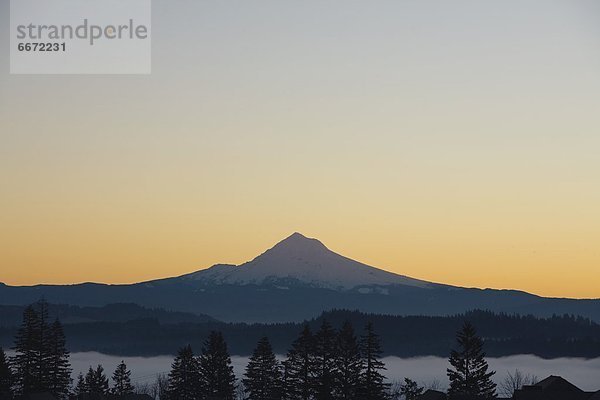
297,244
301,260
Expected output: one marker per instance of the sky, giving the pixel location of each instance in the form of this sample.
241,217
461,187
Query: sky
456,142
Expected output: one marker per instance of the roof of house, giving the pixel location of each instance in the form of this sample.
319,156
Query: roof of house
431,394
595,396
557,383
553,388
437,395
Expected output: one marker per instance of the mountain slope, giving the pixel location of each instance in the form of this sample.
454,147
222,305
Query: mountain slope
297,279
300,260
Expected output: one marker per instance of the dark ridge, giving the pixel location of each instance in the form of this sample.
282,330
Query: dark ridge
403,336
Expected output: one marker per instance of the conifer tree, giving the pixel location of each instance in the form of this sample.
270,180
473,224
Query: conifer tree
41,360
372,385
263,377
410,389
26,361
96,381
6,376
325,372
300,367
122,379
57,362
348,364
184,378
81,387
44,342
469,376
217,379
285,380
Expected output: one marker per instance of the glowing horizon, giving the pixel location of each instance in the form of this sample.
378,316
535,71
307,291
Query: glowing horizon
260,252
454,143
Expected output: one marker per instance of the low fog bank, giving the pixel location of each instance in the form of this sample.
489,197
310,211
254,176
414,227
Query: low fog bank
426,370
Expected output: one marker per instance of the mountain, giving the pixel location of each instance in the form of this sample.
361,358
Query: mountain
295,280
299,260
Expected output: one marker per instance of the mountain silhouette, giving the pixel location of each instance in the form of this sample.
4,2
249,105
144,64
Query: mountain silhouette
296,279
301,260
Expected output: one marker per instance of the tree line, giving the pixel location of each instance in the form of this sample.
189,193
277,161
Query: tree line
327,364
552,337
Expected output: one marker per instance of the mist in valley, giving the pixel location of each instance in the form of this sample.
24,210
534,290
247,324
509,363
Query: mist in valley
428,371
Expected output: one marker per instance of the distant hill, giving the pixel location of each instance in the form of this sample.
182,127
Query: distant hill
405,336
297,279
11,316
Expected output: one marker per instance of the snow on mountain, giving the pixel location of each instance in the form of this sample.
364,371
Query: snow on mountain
299,259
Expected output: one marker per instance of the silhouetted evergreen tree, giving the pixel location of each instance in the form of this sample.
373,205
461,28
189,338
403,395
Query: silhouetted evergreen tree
469,376
184,378
27,361
325,368
41,362
285,379
410,389
217,379
44,351
263,377
300,367
372,386
6,376
96,381
57,362
80,387
122,379
348,364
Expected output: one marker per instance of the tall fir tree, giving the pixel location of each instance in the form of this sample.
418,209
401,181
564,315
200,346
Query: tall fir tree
184,378
122,380
285,379
325,368
80,387
6,376
27,362
216,372
44,351
57,362
41,361
348,364
96,381
300,367
469,375
372,382
263,377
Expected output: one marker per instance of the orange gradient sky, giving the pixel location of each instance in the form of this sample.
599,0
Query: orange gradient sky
458,143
